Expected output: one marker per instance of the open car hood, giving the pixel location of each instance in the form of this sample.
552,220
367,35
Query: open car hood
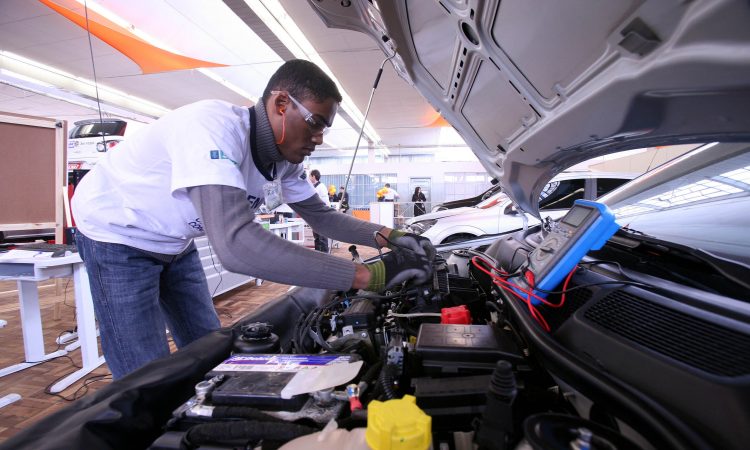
535,87
443,214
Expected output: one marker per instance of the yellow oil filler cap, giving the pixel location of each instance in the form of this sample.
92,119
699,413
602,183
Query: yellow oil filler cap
398,425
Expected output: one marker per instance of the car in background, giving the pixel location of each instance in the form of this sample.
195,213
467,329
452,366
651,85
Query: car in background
497,214
471,201
90,139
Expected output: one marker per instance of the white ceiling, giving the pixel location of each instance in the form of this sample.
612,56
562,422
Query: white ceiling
203,29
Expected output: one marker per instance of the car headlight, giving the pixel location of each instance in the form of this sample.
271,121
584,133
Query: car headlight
421,226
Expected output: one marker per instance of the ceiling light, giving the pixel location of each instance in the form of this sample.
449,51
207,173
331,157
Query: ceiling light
384,151
43,74
14,79
39,87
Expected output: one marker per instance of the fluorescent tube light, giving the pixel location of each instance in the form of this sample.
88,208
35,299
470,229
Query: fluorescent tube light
43,74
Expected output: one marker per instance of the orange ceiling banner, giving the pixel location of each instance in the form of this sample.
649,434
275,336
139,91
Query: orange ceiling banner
149,58
437,121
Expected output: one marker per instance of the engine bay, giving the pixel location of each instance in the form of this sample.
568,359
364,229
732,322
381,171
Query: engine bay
613,358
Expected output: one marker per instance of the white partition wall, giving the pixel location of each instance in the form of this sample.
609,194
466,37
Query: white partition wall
382,213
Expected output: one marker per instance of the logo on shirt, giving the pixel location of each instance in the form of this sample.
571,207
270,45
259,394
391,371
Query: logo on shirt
197,224
255,202
219,154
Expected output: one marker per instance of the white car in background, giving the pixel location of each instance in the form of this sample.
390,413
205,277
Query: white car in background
471,201
90,139
497,214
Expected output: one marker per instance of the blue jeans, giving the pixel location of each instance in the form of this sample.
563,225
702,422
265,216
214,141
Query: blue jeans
136,297
321,242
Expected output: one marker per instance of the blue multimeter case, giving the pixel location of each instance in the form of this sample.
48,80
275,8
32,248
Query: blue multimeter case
587,226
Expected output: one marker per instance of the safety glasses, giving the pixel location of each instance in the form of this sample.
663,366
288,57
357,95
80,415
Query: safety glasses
317,126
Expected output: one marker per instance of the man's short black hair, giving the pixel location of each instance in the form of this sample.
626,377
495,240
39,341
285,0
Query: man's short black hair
315,173
303,80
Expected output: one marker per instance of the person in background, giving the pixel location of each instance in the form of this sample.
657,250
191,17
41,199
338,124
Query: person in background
332,197
343,198
321,242
390,195
205,169
418,198
380,194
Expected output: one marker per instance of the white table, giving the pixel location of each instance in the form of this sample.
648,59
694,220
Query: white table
286,231
27,271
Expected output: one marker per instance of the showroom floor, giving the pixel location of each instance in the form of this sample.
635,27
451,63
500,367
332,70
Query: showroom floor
58,316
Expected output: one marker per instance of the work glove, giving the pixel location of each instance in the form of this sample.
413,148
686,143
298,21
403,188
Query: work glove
397,266
415,243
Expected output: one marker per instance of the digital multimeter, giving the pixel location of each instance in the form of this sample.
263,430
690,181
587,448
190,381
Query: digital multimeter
587,226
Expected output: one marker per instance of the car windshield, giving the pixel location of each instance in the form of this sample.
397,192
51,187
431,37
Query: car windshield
98,129
700,200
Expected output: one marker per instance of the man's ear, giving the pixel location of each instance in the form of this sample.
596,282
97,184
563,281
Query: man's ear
280,104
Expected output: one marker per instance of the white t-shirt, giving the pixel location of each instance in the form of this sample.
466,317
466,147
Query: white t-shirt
322,192
390,194
137,194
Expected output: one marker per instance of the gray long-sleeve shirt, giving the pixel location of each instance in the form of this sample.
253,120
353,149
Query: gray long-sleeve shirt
243,246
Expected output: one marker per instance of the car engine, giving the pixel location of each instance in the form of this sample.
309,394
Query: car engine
469,361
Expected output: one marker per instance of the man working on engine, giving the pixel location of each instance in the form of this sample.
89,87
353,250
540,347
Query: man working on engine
204,169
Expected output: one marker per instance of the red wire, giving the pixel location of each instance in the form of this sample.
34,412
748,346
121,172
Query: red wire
535,313
514,288
283,128
504,281
507,286
565,284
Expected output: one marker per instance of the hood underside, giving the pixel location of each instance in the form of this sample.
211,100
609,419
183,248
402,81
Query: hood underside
535,87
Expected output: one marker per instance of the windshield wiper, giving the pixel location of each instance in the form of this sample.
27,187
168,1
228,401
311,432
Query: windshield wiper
734,271
634,231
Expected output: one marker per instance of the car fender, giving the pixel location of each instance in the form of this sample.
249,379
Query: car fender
446,232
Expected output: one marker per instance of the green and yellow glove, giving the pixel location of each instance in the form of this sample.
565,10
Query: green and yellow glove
396,267
415,243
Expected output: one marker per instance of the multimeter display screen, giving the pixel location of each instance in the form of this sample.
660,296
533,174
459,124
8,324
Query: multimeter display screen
576,216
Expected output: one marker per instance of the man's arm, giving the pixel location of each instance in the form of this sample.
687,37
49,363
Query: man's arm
339,226
348,229
243,246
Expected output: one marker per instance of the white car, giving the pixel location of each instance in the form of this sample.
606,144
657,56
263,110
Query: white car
90,139
497,214
471,201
